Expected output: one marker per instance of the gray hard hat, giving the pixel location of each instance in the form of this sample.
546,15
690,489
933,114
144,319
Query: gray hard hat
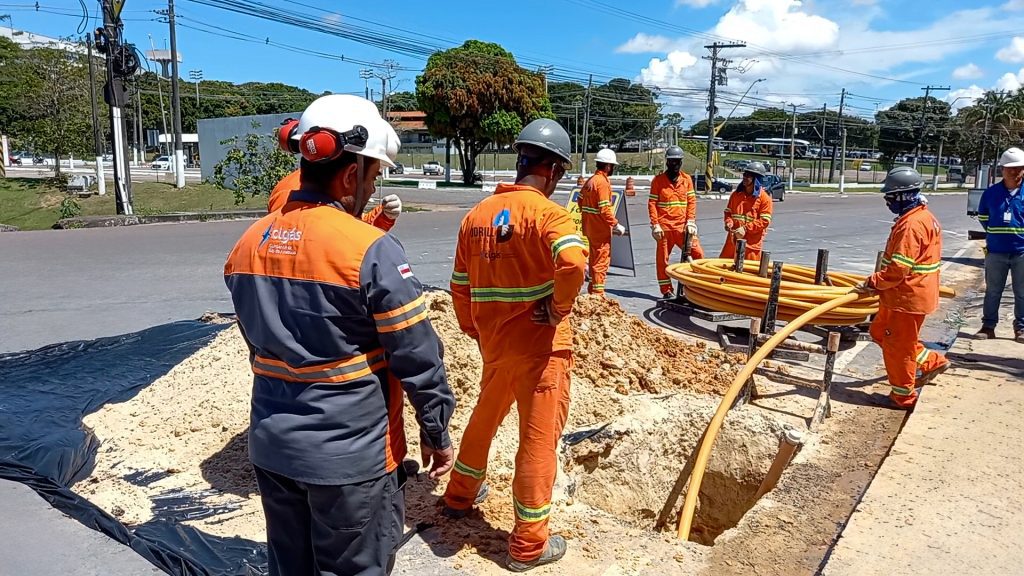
546,134
756,168
674,152
902,179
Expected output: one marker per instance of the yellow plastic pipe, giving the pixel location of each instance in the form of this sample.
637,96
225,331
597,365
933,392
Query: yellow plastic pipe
704,454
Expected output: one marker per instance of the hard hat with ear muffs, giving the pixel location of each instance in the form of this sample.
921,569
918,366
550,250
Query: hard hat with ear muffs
339,123
288,136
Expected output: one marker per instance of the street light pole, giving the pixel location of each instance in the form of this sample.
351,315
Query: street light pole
197,77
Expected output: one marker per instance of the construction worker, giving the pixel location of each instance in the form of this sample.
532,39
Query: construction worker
337,328
908,290
383,216
519,266
672,206
599,222
1001,212
748,214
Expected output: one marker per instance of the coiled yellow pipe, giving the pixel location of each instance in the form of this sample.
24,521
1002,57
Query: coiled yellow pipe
713,284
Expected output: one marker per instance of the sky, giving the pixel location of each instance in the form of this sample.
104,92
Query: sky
806,51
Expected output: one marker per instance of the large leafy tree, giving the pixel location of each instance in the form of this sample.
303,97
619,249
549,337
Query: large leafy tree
470,93
900,127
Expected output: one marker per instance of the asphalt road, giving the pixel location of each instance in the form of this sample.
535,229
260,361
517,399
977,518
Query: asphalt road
82,284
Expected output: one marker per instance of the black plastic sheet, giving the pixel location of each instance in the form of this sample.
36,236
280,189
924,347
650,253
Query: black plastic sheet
45,393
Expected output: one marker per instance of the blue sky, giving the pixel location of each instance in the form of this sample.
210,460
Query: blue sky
806,51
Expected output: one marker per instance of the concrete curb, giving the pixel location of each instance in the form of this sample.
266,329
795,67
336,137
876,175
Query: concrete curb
176,217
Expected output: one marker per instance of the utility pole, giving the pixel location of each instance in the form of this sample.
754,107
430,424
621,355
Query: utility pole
197,77
981,153
366,74
108,42
832,165
718,77
140,148
924,109
386,72
544,71
792,149
101,182
842,167
163,112
179,148
824,129
938,159
586,128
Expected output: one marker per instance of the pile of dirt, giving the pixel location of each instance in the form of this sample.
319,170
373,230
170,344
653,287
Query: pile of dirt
178,449
614,348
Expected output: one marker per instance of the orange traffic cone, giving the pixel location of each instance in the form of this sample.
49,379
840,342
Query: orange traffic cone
630,190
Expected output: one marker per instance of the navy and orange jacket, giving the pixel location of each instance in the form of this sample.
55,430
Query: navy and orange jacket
293,181
596,209
909,278
672,205
753,214
515,249
337,327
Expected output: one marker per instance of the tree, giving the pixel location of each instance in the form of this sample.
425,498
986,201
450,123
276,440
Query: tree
469,92
254,164
402,102
900,126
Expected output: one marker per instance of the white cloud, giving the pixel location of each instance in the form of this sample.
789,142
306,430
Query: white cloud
969,71
780,25
1014,5
644,43
1010,81
1013,53
964,97
677,70
696,3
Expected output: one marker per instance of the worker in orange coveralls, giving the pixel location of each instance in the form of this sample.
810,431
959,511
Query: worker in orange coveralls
908,290
748,214
599,222
519,266
672,206
383,217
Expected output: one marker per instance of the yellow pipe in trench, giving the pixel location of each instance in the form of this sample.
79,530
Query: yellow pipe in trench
700,464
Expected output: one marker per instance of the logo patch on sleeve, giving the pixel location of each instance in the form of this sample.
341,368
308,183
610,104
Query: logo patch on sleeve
405,270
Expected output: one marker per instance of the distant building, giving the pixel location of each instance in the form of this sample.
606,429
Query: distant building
412,131
29,40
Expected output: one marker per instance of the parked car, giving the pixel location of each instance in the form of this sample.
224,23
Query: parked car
398,169
956,174
432,169
780,164
776,186
161,163
865,167
717,185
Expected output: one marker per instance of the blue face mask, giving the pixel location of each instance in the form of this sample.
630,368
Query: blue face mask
756,184
900,203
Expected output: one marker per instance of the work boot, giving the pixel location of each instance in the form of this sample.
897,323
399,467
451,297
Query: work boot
1019,337
456,514
986,334
553,552
927,377
886,401
668,295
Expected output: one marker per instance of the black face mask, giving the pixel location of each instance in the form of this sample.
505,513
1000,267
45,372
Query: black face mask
673,168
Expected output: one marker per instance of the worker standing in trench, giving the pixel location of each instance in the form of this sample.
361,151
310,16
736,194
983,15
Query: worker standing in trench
672,206
383,216
748,214
337,327
599,222
908,290
519,266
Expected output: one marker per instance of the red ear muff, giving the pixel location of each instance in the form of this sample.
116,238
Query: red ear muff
284,135
320,145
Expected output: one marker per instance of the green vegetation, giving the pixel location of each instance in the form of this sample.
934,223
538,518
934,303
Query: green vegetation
36,204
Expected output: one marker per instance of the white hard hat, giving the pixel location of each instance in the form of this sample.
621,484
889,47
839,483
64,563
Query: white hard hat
606,156
341,113
1012,158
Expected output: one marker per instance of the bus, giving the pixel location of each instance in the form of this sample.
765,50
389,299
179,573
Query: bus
781,146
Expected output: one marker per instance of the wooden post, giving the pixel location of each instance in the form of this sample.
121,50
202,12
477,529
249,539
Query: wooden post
771,310
766,262
687,246
821,269
824,407
741,255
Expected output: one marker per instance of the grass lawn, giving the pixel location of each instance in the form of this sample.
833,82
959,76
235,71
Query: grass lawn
33,204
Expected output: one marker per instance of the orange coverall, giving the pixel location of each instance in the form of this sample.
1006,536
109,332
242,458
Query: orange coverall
754,215
598,221
908,290
517,250
292,182
672,206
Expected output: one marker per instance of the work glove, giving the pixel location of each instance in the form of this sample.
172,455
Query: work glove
740,232
619,230
392,206
862,288
657,233
691,229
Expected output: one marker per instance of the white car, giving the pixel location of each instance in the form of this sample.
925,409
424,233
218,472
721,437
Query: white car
865,167
432,168
161,163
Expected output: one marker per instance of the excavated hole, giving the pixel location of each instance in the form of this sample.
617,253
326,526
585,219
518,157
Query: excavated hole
629,466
